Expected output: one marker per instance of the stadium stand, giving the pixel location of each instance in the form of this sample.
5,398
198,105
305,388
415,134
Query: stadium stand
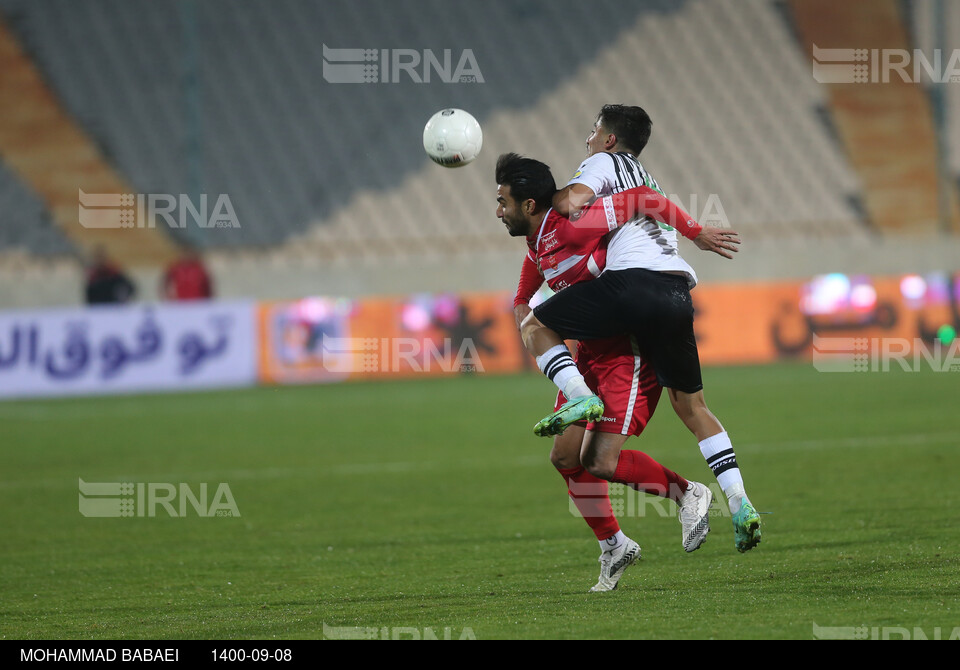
876,122
55,157
275,132
27,228
325,176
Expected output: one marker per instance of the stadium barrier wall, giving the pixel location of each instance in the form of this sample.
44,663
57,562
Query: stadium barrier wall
145,348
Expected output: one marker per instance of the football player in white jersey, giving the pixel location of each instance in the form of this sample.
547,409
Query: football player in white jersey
644,290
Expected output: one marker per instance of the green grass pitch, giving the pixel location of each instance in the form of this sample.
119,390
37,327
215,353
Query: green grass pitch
428,504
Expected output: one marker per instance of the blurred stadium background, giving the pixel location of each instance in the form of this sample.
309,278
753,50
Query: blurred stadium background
330,184
332,194
845,194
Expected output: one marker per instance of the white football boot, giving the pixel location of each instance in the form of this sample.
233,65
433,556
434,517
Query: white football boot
613,563
694,515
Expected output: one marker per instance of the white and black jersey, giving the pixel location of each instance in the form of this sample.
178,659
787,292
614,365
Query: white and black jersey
644,243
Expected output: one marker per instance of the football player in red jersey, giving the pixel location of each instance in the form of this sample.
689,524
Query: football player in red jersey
650,302
565,254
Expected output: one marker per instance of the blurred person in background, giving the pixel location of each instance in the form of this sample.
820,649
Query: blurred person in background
106,282
187,279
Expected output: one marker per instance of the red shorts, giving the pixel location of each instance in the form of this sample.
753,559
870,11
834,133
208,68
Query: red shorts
626,384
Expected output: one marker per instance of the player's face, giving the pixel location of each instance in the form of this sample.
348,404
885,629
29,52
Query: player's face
509,211
597,140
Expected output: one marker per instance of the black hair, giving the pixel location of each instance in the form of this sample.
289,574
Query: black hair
527,179
631,125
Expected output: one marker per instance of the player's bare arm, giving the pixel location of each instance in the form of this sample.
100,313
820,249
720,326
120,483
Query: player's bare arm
572,198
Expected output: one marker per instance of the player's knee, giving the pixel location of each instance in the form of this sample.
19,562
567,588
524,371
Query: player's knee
601,471
565,453
560,460
599,467
534,333
529,324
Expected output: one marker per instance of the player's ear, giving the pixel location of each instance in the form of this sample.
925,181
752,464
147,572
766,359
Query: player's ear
610,142
529,206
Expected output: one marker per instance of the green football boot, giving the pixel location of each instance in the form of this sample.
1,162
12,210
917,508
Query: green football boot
746,527
584,408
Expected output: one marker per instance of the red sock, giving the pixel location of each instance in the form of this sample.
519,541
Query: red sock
642,473
592,498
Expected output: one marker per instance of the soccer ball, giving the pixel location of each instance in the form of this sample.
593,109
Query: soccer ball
452,138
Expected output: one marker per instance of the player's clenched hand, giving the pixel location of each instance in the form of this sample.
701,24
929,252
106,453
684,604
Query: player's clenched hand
718,240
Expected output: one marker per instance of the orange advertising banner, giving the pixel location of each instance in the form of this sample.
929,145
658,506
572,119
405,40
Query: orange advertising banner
324,339
765,322
328,339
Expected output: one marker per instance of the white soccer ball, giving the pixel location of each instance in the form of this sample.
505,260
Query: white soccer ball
452,138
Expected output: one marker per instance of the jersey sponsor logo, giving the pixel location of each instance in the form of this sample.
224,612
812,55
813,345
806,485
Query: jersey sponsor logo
577,174
611,419
549,241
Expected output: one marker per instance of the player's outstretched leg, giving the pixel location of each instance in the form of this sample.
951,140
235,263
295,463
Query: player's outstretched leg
584,408
718,452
